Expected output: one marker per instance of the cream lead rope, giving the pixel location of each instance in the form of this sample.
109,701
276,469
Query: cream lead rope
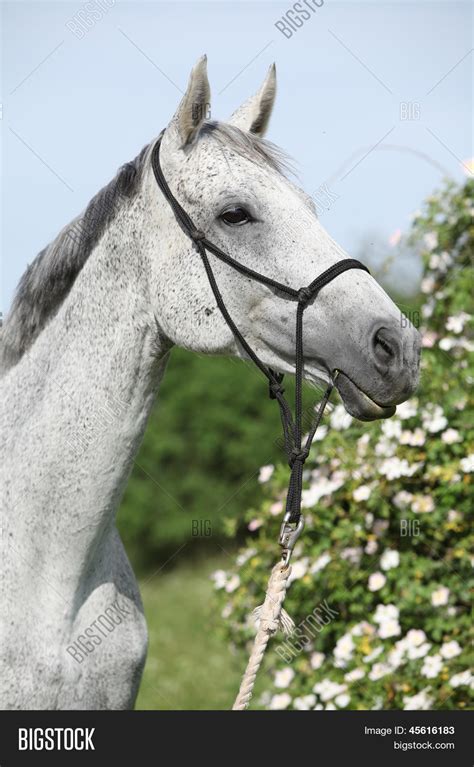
270,616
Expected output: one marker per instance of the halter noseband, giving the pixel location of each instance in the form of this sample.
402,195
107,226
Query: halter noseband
296,451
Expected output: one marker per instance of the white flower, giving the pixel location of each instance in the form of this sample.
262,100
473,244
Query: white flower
316,660
419,702
319,489
434,419
344,648
321,433
305,703
413,438
395,658
429,339
415,638
320,563
371,547
389,559
220,579
432,665
385,613
453,515
428,309
378,671
354,675
393,468
353,554
276,508
389,629
245,556
431,240
446,344
402,499
418,652
362,628
461,679
441,261
450,436
467,463
440,597
464,343
265,473
340,418
232,584
428,284
395,238
387,618
328,689
373,655
342,700
468,167
391,428
422,504
298,569
362,443
284,677
385,447
455,324
407,409
280,701
361,493
435,261
450,649
376,581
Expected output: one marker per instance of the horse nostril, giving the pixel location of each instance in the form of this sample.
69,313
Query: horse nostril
385,346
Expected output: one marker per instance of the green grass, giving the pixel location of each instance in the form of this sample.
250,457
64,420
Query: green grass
189,666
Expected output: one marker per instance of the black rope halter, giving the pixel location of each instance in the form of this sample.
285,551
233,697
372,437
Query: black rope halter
296,451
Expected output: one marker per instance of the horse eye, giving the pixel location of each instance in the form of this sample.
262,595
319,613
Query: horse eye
236,216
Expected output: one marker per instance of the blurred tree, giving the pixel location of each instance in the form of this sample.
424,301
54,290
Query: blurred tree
210,431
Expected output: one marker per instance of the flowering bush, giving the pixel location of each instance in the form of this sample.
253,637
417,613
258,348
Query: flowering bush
379,584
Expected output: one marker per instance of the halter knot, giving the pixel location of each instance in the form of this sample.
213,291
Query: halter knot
274,387
197,235
298,454
275,390
304,295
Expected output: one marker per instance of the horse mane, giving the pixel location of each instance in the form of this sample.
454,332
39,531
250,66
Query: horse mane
49,278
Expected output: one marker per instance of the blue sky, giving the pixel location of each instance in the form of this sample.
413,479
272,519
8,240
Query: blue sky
77,103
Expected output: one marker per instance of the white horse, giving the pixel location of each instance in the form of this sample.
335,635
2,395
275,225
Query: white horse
84,349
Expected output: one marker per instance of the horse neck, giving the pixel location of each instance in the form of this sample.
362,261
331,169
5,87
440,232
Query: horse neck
78,404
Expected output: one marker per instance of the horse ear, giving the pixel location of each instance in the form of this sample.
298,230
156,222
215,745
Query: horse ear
254,114
195,105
